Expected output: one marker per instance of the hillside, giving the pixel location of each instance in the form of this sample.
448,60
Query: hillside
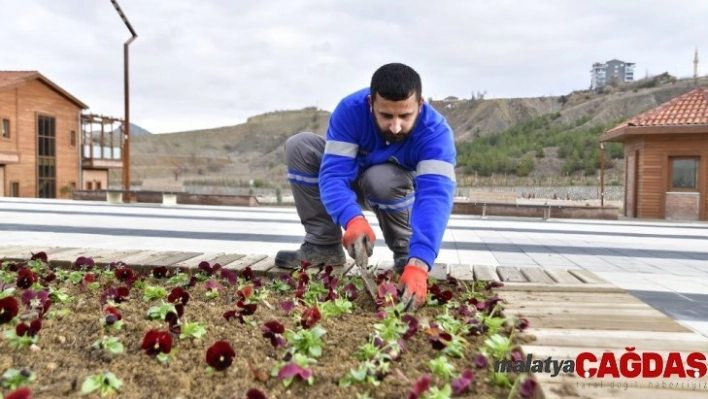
135,130
233,155
253,150
114,137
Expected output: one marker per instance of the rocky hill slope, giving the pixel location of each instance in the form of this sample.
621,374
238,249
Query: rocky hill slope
253,151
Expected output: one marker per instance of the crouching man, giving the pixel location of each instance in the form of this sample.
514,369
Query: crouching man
390,152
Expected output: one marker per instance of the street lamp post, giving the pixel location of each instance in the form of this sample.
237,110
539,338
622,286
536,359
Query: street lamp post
602,174
126,86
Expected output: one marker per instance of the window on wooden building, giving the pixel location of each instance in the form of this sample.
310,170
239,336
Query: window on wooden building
684,174
46,157
73,138
6,128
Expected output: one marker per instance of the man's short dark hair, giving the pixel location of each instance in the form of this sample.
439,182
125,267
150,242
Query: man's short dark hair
396,82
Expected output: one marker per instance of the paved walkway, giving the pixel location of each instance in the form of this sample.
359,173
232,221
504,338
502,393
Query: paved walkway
665,264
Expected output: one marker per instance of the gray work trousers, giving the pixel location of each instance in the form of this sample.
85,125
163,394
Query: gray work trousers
375,187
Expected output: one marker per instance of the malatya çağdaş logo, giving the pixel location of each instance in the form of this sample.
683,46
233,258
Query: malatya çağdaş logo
630,364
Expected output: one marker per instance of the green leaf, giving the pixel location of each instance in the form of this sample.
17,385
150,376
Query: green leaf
280,286
163,358
439,393
107,382
315,351
368,351
154,292
442,368
58,313
111,382
287,381
179,279
498,345
113,346
35,265
117,326
109,344
109,274
500,379
76,277
159,312
91,384
62,274
59,296
360,373
20,342
192,330
338,307
14,378
318,331
139,285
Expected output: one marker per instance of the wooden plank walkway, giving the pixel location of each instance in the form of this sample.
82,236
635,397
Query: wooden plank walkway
575,318
263,264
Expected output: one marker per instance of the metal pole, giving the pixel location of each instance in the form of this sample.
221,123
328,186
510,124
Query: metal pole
80,144
126,122
602,174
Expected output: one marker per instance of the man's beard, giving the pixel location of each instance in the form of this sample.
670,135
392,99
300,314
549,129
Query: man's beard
395,138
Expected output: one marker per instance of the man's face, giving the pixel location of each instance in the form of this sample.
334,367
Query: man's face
395,119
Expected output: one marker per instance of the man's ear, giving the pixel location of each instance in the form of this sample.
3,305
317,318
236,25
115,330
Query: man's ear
371,103
422,101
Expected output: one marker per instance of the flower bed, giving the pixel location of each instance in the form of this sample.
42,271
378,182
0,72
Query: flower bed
225,333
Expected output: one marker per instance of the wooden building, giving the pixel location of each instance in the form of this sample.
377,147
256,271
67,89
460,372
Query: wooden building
101,150
39,143
666,159
48,147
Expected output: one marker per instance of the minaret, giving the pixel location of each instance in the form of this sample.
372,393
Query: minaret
695,64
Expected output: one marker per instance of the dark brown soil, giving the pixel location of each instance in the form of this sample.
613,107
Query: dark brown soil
63,357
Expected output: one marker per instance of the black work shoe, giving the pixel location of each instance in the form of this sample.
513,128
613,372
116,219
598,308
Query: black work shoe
399,262
315,255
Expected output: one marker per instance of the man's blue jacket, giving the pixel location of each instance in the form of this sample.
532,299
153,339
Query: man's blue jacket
353,143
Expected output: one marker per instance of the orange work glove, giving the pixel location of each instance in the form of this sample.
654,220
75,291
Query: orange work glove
357,227
413,286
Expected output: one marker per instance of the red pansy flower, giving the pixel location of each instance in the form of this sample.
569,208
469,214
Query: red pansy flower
8,309
220,355
156,342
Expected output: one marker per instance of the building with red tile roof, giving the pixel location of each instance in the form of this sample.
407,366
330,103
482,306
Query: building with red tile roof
666,159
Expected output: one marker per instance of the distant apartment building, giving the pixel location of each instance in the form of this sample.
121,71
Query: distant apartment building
613,70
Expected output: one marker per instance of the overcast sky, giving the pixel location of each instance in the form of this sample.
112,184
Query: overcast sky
207,63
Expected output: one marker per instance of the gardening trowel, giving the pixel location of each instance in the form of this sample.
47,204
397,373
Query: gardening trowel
362,250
